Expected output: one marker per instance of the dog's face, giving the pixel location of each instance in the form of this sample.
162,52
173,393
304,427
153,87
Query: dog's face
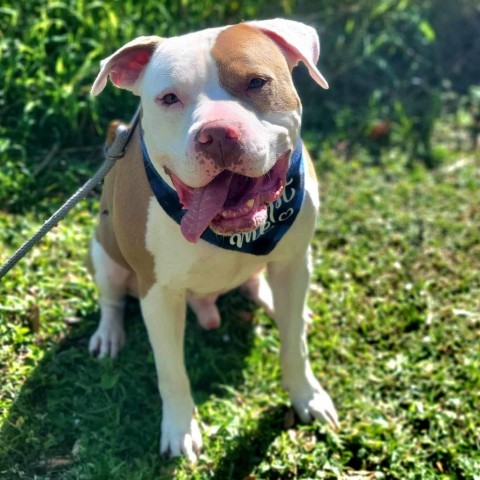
220,115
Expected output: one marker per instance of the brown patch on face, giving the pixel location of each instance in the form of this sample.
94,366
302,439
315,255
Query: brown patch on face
123,215
243,53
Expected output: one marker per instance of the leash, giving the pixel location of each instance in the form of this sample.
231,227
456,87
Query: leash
112,153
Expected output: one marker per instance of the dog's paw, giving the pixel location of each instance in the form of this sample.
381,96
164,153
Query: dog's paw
108,340
313,403
177,441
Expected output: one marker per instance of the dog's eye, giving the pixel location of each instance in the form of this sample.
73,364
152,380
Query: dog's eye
170,99
256,82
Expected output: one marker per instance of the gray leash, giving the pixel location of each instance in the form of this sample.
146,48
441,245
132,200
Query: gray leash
112,153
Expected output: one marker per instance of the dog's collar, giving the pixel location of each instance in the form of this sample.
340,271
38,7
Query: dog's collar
281,214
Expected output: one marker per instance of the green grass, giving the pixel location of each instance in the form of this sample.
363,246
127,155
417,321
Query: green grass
395,340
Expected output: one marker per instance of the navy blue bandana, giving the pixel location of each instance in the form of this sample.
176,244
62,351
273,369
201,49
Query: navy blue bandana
281,213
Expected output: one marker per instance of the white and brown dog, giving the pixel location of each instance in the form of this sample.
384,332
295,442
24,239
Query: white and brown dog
215,188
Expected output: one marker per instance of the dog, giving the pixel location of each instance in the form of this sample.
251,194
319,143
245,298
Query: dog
215,189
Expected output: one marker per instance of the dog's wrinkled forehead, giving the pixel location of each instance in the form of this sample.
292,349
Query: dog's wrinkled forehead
265,51
231,57
184,61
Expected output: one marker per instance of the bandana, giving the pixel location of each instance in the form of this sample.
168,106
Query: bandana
281,213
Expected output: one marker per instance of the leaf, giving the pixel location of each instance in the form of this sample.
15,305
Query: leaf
59,66
109,380
427,31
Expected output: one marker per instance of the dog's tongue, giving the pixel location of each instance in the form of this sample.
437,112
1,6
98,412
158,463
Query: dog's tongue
205,204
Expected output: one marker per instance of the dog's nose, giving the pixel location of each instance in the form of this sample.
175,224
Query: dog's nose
219,142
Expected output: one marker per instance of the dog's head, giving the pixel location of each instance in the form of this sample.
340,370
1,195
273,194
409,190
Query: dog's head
220,114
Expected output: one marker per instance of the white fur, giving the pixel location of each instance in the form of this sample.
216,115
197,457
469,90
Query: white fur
199,272
192,76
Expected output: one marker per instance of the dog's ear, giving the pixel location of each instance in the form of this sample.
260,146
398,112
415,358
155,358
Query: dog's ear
298,42
126,64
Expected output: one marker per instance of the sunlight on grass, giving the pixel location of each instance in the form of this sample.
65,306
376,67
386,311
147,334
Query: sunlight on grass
394,339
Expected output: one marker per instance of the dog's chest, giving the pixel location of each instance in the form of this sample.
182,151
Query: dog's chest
201,268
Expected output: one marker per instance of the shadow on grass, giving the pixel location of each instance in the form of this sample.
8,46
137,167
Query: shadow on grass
78,417
249,450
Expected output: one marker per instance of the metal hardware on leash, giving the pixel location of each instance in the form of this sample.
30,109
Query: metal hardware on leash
112,153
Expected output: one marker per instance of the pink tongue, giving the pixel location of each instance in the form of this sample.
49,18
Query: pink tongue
205,204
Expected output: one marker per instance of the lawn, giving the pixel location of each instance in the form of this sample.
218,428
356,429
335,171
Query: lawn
394,339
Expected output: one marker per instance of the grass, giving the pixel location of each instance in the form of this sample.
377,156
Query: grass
50,52
395,340
395,337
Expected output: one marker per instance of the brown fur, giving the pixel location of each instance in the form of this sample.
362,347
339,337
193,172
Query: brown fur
123,215
238,63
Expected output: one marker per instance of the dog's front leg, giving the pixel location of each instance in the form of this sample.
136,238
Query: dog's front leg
164,313
289,281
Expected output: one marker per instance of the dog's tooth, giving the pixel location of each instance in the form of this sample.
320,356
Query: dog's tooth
228,214
239,211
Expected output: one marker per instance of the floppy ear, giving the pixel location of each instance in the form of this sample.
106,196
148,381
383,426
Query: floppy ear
126,64
298,41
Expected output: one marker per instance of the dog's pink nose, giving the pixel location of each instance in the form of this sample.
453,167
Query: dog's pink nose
210,134
219,142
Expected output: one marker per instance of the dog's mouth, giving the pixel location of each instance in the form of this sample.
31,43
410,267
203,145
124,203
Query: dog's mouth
230,203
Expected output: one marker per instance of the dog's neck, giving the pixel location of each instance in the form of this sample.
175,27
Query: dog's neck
281,213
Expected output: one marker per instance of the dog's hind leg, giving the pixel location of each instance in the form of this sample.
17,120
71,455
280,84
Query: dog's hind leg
257,289
112,282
